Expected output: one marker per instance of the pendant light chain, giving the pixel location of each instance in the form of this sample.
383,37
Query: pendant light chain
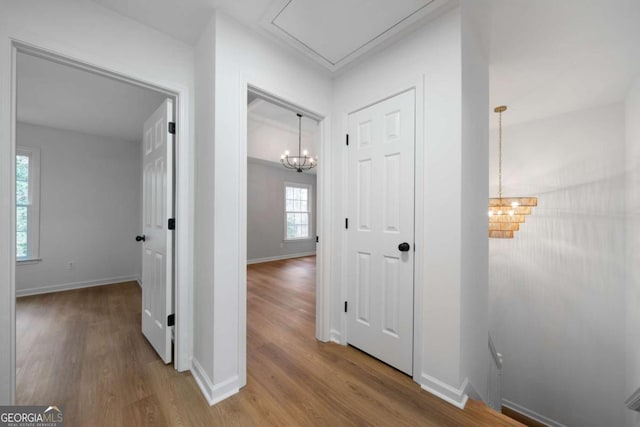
500,154
299,133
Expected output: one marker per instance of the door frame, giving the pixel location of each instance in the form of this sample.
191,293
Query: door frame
183,195
364,101
322,210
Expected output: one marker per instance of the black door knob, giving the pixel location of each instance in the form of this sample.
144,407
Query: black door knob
404,247
141,238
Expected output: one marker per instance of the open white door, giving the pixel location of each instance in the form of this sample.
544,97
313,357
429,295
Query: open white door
157,209
381,231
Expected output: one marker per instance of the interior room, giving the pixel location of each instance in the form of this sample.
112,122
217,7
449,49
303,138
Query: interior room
79,208
465,252
277,229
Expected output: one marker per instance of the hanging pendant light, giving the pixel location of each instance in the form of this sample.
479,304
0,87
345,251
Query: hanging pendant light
302,161
506,213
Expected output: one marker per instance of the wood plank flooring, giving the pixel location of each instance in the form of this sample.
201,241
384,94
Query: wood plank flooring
83,350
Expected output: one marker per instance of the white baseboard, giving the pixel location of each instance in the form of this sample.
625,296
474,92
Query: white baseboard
335,336
214,393
279,257
456,396
531,414
75,285
202,379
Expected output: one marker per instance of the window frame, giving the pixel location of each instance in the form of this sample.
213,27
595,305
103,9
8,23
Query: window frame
33,216
309,211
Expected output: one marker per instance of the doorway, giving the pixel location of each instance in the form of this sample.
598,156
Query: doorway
281,183
49,257
283,205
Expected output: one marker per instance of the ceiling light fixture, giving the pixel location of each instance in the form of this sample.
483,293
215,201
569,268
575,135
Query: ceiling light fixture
506,213
302,161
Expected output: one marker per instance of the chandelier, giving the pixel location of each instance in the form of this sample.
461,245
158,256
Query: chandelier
506,213
302,161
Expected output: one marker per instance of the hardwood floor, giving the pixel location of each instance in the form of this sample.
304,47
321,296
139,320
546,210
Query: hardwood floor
83,350
521,418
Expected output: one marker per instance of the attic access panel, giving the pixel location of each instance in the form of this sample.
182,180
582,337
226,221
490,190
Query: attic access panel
335,32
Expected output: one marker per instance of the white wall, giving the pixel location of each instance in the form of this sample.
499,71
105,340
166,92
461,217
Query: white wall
265,211
475,151
89,211
449,110
84,30
203,209
632,233
557,289
240,56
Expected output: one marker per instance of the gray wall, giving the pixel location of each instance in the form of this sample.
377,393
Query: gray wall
265,211
633,247
89,210
557,294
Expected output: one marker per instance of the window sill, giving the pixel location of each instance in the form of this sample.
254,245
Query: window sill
28,261
301,240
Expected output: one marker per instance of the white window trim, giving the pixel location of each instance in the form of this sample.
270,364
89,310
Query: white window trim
34,203
309,189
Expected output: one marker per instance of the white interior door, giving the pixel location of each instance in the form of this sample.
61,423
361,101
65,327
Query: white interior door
380,231
157,254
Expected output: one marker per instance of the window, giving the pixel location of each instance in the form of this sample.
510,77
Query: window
27,203
297,209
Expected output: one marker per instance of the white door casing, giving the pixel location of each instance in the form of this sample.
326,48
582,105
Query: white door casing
381,164
157,252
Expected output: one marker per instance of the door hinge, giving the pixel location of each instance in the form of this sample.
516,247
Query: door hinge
171,320
346,223
172,128
171,225
317,239
345,306
347,140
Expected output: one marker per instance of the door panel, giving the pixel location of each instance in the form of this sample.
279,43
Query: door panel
381,206
157,259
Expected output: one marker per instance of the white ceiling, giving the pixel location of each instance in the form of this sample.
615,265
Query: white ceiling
550,57
272,129
259,108
59,96
547,56
331,32
335,32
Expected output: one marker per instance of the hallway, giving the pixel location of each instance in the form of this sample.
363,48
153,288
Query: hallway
83,350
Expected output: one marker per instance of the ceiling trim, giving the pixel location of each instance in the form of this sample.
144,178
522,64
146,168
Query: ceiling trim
372,40
278,7
278,125
266,96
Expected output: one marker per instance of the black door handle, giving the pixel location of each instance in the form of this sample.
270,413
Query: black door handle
141,238
404,247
